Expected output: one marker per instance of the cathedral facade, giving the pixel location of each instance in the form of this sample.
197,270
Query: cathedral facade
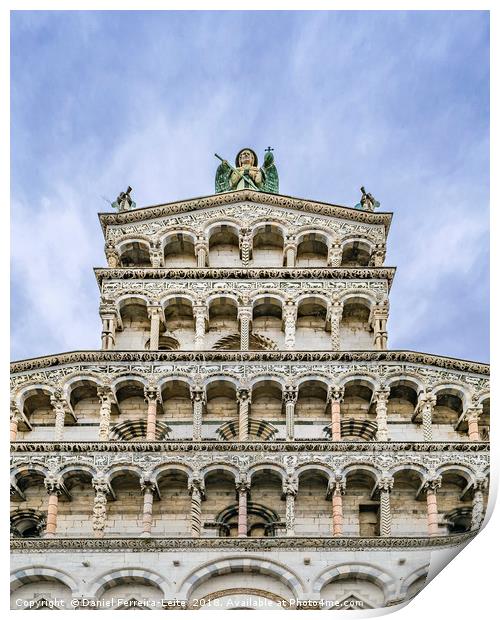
244,438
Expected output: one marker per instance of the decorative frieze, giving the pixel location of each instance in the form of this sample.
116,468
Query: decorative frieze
247,207
107,545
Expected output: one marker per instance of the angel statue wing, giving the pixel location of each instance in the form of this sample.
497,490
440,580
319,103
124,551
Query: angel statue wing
222,178
271,180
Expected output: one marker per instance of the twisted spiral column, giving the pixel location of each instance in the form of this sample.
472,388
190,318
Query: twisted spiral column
243,398
196,490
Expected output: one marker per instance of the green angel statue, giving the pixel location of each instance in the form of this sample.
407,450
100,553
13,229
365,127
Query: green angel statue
247,174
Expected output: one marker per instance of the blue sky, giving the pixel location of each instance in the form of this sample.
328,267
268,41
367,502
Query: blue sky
395,101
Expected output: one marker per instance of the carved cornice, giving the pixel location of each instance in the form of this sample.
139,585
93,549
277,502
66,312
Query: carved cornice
248,446
218,200
414,357
251,273
34,545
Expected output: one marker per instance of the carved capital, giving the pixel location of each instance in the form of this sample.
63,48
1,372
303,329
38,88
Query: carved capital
290,485
431,485
335,393
152,393
337,485
243,394
196,484
385,483
53,485
290,394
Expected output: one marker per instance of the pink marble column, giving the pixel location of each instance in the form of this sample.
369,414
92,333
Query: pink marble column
338,489
472,416
336,396
431,487
54,490
151,397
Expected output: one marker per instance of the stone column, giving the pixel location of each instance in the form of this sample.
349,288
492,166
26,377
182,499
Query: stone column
243,488
426,406
200,318
196,489
147,488
384,486
335,319
101,489
245,317
472,417
60,407
478,503
201,251
154,313
108,315
290,394
198,400
335,255
152,397
245,246
380,315
290,250
381,398
290,488
111,255
105,395
378,256
243,396
337,488
289,320
54,489
15,418
336,395
430,487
